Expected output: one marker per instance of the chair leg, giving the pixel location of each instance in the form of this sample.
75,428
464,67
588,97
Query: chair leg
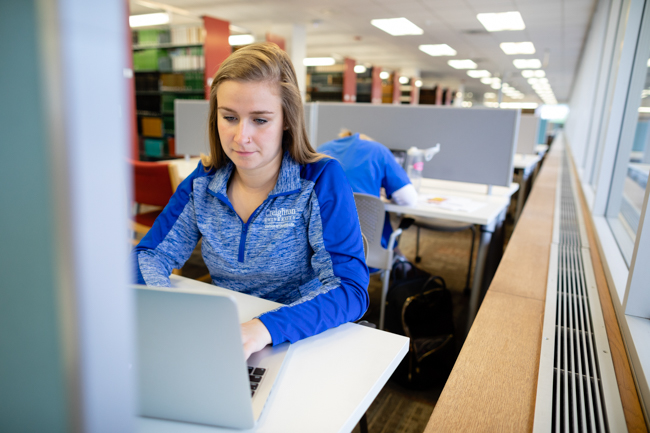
385,276
418,259
363,424
471,256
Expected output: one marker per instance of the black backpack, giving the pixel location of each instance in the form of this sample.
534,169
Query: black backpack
419,306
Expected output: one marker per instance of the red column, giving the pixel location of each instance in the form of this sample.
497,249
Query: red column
438,91
130,92
349,82
397,92
278,40
415,92
215,48
375,92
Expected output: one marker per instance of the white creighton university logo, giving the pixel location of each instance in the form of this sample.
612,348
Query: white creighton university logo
279,218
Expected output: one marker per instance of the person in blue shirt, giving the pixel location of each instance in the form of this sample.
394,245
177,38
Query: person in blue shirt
277,220
369,167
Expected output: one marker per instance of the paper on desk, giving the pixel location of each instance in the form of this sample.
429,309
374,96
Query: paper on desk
459,204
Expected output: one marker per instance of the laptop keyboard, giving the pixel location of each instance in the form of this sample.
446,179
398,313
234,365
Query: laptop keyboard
255,375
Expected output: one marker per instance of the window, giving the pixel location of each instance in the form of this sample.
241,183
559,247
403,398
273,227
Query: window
609,135
633,162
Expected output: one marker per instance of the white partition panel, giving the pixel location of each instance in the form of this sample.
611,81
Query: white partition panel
527,137
477,144
191,124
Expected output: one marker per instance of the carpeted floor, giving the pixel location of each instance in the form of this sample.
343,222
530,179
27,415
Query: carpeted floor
397,409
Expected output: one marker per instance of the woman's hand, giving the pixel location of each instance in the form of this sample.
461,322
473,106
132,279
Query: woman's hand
255,336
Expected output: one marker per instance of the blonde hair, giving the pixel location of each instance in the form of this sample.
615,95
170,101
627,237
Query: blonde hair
263,62
346,133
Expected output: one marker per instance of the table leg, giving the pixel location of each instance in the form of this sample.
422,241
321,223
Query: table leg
521,180
385,280
494,254
535,171
483,246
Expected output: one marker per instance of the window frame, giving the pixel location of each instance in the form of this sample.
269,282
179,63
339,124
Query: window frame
604,90
604,168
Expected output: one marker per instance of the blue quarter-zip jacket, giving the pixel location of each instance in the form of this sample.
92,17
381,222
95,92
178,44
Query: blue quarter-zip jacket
301,247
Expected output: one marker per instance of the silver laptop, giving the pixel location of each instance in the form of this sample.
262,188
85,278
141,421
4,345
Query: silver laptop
191,363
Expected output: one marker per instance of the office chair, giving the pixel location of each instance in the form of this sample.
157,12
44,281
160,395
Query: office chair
442,225
154,184
371,217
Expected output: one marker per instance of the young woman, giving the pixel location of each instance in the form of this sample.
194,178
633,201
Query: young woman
277,219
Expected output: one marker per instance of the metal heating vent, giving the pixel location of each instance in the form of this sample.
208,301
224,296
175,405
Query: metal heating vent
576,390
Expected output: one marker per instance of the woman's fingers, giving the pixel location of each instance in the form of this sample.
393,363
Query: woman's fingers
255,336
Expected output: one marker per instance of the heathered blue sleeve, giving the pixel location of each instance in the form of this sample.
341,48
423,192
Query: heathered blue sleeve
171,239
395,176
338,260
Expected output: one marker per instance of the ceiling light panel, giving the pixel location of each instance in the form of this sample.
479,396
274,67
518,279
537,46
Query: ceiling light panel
527,63
529,73
462,64
318,61
479,73
438,50
397,26
148,19
511,48
502,21
235,40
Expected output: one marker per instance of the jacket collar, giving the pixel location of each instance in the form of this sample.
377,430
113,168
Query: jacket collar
288,181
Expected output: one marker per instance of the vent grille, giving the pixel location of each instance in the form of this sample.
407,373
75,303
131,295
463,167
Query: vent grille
577,388
571,394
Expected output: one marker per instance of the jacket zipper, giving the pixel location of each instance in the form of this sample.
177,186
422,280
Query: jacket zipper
242,241
244,232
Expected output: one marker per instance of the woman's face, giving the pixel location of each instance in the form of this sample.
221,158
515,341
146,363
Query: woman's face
250,124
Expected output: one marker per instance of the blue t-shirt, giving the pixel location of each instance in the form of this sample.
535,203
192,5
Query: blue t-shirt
369,166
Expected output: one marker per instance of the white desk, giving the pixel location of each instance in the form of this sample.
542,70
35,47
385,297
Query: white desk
541,149
525,165
489,218
640,170
353,363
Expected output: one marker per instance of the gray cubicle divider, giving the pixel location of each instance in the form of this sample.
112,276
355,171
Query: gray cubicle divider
311,115
477,145
191,126
527,137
